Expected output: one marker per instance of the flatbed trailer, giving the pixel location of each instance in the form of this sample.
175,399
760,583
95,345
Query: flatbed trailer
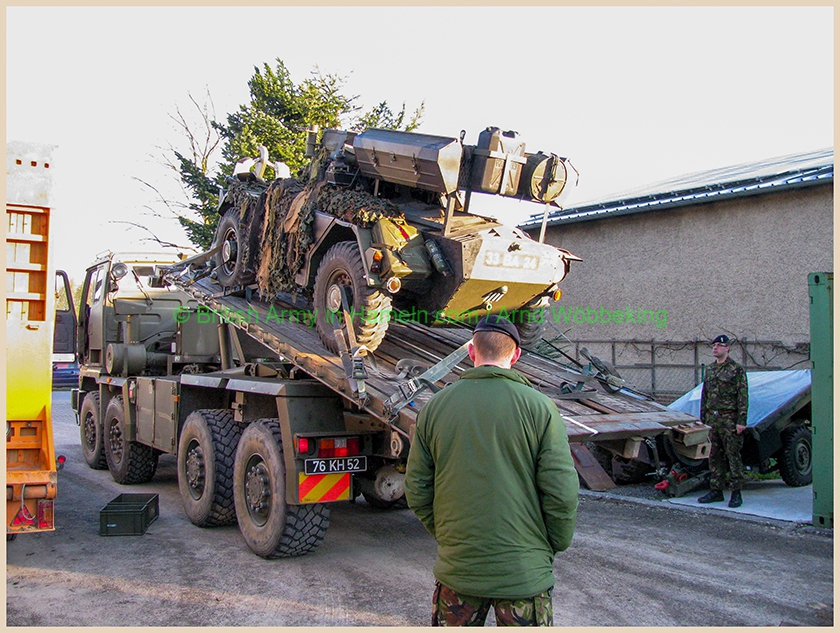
593,410
778,433
270,427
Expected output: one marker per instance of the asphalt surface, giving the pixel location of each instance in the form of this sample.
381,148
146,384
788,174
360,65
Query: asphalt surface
633,562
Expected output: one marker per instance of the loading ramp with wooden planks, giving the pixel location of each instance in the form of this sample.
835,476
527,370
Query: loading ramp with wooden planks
618,420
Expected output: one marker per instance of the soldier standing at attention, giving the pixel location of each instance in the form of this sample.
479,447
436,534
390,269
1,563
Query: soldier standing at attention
723,406
491,477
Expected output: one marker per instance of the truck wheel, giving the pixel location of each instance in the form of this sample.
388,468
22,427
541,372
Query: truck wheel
206,452
231,262
90,429
795,456
271,527
342,266
129,462
531,325
670,456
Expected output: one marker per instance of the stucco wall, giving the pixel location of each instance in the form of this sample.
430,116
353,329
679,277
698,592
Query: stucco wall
738,266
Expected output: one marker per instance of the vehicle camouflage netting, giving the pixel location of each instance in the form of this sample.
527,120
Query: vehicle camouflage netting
288,213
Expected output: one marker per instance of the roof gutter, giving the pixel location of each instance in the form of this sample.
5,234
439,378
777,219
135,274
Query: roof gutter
673,200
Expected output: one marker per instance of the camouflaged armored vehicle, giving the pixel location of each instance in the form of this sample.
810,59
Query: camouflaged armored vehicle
390,216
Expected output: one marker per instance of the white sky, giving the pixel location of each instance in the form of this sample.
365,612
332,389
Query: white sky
631,95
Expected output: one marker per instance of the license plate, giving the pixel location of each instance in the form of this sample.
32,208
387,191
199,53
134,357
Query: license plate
335,465
511,260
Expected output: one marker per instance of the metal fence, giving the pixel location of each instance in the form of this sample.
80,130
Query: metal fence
668,369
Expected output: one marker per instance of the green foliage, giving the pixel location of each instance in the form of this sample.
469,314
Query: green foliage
381,116
205,195
278,115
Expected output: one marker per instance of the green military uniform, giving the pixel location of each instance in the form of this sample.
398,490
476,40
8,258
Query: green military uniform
723,405
491,477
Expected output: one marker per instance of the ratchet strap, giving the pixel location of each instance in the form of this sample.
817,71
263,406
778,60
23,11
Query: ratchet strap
407,390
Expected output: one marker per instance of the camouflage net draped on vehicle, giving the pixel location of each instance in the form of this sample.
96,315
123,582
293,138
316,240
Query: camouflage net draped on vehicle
288,212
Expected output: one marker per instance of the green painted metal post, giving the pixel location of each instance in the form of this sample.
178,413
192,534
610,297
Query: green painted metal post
820,288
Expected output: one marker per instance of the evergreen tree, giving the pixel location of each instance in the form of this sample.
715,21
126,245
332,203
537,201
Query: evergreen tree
278,115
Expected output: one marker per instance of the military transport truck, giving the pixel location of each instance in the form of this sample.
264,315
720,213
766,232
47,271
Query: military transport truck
263,365
391,216
269,427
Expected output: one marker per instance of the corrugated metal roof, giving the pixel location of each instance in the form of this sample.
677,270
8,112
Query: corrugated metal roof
784,172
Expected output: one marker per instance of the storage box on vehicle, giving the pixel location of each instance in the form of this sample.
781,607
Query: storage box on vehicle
128,514
497,162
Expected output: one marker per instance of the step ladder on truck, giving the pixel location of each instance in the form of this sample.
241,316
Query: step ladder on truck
31,462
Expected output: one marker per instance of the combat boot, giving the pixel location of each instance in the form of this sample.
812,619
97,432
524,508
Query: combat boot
711,496
735,500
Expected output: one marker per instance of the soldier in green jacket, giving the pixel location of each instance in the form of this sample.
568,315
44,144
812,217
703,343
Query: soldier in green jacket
723,406
491,477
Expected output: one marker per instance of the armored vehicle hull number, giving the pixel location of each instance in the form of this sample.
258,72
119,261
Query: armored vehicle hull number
511,260
335,465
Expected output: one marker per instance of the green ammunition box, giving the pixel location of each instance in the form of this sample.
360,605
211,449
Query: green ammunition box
128,514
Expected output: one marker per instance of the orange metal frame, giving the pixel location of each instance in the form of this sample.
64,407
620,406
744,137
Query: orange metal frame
31,477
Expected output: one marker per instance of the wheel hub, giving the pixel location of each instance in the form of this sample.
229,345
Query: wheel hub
334,298
257,491
90,431
229,249
802,457
116,440
195,469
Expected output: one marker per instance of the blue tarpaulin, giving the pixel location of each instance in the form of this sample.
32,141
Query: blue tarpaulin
769,392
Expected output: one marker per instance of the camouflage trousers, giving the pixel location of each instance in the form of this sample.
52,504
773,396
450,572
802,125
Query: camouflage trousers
454,609
727,469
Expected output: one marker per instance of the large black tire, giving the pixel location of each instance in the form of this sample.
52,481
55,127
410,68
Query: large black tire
129,462
90,430
795,456
371,308
531,326
232,265
206,453
670,456
271,527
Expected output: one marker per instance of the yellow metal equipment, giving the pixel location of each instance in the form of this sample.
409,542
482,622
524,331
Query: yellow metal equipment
31,477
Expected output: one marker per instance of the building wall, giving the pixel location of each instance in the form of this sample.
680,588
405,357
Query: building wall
737,266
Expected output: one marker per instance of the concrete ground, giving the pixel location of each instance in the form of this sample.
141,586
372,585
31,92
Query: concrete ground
633,562
769,499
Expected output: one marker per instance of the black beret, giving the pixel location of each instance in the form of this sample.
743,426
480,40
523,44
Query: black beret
721,339
495,323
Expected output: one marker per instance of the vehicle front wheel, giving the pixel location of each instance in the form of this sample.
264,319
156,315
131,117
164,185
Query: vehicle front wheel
795,458
90,429
271,527
531,326
206,453
129,462
370,308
